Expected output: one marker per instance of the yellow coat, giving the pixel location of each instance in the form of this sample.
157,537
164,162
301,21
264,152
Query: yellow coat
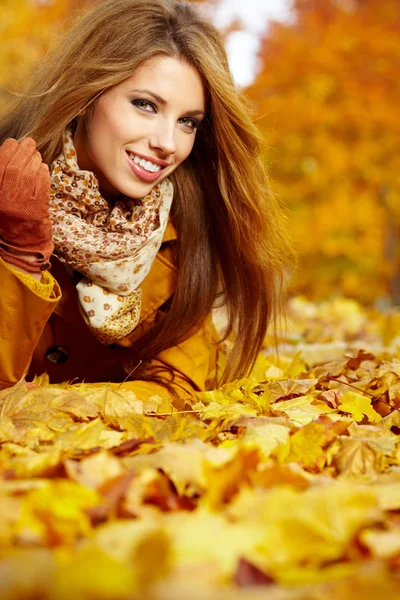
38,335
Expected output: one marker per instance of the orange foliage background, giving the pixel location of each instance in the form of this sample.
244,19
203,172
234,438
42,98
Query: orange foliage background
327,100
27,29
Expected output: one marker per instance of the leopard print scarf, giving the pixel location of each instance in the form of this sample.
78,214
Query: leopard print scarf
112,246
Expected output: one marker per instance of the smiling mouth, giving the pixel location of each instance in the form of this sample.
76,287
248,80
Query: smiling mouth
146,165
144,169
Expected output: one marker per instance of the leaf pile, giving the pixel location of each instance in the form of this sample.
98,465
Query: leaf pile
284,485
329,329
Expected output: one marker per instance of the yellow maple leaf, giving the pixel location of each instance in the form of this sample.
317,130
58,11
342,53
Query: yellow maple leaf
183,463
358,406
224,479
305,447
355,459
142,545
210,540
56,512
94,470
91,573
314,526
265,438
113,404
226,412
301,410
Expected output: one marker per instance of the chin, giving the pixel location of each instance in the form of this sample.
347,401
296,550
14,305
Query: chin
135,191
138,193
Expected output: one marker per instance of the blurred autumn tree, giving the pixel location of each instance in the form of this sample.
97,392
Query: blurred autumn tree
327,100
27,29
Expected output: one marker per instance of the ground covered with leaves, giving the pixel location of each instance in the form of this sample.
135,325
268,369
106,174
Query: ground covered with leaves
285,485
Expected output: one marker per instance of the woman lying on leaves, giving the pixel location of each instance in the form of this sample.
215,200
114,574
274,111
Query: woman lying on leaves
132,198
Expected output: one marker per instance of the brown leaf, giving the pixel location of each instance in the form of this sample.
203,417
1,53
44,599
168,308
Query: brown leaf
162,493
129,446
355,362
355,458
332,397
95,469
248,574
76,406
287,389
113,492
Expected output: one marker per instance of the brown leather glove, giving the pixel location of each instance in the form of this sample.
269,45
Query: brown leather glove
24,205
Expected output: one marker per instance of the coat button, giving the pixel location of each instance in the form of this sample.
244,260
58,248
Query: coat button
57,354
45,266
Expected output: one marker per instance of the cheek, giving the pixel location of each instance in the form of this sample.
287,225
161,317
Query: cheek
104,138
97,135
108,124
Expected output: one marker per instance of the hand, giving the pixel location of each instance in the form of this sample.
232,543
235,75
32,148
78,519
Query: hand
24,206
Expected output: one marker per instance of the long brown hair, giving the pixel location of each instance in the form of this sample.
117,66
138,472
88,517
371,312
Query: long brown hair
232,239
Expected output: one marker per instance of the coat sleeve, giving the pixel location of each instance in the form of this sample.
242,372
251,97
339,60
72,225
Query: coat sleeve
23,316
193,365
189,366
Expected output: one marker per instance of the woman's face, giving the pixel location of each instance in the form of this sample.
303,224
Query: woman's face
143,128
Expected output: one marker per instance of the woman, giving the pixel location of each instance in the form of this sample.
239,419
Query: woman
158,206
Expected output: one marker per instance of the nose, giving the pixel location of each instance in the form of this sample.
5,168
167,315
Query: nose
163,138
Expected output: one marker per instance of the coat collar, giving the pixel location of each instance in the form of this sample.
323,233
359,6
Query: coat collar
170,232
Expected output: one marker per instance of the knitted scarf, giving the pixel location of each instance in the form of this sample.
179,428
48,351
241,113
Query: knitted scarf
112,245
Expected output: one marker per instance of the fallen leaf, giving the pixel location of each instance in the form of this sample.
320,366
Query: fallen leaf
359,407
248,574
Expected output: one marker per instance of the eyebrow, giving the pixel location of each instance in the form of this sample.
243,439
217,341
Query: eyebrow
189,113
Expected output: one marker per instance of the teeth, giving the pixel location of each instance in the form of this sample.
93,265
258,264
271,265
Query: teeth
145,164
